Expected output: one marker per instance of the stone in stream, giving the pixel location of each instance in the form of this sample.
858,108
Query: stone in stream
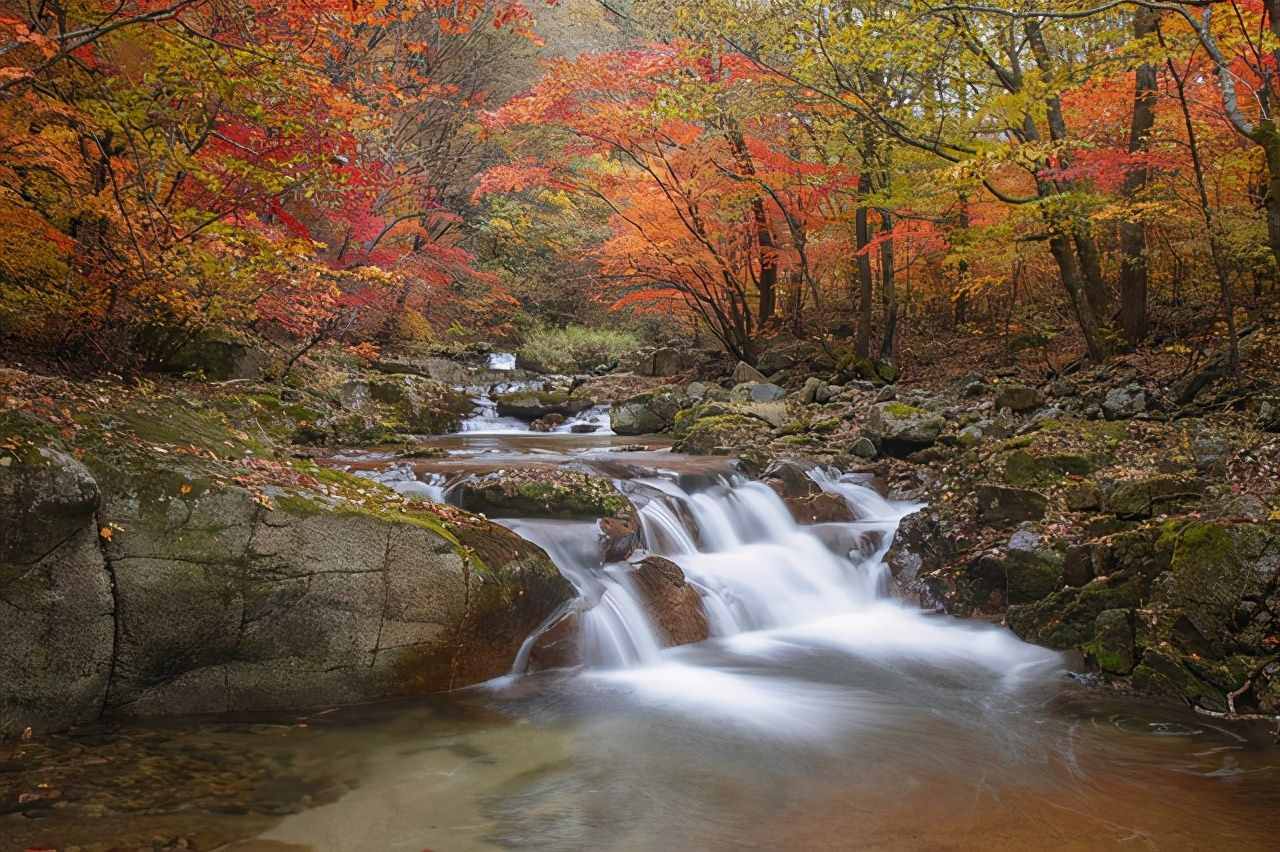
819,508
532,405
647,413
672,604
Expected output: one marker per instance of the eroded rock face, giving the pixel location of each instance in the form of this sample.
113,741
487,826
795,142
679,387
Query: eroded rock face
56,606
140,585
228,605
672,604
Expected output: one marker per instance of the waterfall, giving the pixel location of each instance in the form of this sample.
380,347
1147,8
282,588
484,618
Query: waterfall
614,630
502,361
753,567
403,479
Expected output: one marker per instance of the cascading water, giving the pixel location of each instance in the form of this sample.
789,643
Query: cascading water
766,583
404,480
502,361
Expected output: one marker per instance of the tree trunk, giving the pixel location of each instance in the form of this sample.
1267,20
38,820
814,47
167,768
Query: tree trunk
1273,197
768,282
1072,280
862,237
887,292
1133,235
1095,286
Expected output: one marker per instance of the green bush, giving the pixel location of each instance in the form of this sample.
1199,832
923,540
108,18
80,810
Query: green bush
574,348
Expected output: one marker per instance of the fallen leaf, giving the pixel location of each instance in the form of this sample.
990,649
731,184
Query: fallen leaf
106,533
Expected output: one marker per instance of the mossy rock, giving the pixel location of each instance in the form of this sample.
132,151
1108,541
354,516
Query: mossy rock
544,493
1163,674
1033,573
1213,568
1066,618
1026,469
1147,496
722,435
532,405
1112,647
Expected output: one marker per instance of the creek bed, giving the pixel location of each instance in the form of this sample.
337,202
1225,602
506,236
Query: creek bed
820,715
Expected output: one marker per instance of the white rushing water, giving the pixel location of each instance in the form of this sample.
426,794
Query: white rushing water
502,361
773,592
403,479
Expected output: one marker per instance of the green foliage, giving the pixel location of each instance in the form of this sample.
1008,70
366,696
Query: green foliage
575,348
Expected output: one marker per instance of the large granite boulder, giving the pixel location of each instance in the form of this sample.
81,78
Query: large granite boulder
159,576
58,619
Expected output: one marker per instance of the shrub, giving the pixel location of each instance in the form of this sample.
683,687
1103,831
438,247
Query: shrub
574,348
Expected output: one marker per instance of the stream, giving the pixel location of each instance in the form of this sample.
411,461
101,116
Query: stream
821,713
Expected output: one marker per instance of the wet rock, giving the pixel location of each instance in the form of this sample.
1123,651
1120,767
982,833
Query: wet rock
229,606
901,429
1065,619
1125,402
757,392
584,428
549,423
820,508
673,605
1018,398
790,478
531,405
921,546
542,493
1213,568
55,590
621,536
1112,648
999,505
647,413
559,646
1160,673
744,373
